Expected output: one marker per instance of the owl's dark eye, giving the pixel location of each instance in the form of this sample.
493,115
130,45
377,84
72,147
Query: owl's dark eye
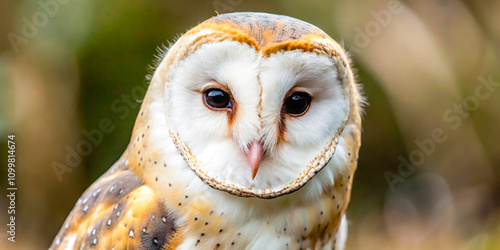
217,99
297,103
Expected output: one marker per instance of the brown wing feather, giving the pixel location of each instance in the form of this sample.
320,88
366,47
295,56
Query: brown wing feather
118,211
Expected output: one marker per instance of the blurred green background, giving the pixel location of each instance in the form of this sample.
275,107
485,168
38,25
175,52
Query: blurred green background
427,67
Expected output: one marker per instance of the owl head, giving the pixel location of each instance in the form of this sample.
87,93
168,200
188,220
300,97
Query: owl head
256,104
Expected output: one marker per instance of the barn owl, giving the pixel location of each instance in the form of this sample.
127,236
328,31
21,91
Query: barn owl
248,138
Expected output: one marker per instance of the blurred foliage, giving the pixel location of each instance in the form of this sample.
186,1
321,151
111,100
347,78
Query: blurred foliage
415,65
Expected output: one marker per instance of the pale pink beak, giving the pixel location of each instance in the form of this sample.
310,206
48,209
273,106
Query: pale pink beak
254,155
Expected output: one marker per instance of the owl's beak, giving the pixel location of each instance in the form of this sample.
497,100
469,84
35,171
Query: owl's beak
254,155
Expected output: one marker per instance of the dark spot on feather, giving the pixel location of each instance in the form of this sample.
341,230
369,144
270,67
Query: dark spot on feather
159,232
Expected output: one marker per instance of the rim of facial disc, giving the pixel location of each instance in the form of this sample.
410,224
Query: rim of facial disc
315,165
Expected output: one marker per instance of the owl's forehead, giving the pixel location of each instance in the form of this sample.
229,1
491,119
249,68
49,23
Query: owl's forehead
265,32
267,28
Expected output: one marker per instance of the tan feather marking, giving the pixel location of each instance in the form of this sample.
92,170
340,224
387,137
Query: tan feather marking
223,30
305,44
118,216
175,241
259,105
281,129
333,204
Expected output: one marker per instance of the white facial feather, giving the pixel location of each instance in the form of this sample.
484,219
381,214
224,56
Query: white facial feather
258,86
231,64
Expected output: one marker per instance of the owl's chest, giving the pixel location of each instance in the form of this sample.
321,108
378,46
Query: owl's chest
304,226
